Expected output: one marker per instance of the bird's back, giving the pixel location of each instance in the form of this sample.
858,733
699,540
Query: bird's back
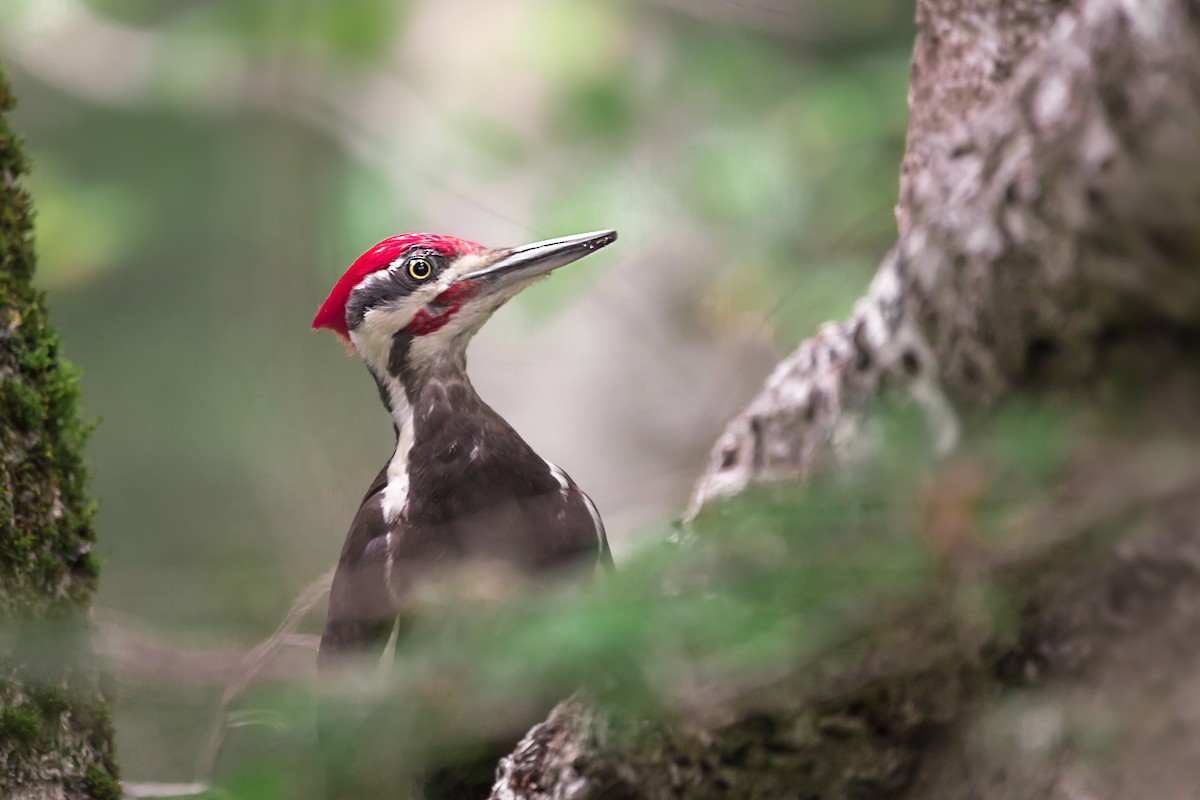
477,494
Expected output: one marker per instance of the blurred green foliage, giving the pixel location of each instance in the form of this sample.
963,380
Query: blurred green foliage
83,228
350,31
759,587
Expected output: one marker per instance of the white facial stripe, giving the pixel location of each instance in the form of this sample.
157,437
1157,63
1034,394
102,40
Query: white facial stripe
466,264
373,338
455,334
461,327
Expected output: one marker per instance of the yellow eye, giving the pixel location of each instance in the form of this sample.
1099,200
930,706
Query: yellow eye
419,269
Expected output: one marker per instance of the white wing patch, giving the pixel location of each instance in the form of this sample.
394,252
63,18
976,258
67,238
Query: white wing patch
388,546
560,476
599,523
565,482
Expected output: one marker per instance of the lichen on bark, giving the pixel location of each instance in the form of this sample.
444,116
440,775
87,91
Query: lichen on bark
55,730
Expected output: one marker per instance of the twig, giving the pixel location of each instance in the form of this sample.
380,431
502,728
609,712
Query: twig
254,663
135,655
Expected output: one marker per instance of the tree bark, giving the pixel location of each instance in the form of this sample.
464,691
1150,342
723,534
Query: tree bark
55,731
1049,239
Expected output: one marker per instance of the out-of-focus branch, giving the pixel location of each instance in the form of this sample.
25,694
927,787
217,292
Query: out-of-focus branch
145,790
810,412
63,42
78,51
252,666
1048,218
135,656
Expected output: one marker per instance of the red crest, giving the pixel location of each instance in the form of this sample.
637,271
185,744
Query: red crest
332,314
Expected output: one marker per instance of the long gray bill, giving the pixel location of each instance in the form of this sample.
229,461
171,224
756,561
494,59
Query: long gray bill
539,258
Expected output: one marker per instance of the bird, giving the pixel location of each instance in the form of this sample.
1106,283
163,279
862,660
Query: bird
461,485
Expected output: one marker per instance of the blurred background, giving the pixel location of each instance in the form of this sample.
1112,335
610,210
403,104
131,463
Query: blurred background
204,170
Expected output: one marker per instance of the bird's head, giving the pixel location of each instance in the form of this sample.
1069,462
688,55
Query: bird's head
418,298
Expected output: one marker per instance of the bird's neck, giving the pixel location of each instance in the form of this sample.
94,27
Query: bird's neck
407,377
430,408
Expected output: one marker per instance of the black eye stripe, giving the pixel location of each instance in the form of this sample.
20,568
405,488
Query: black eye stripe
390,284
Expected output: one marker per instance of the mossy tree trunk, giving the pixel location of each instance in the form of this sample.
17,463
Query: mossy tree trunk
55,731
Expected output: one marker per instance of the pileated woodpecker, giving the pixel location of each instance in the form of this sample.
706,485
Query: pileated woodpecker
461,484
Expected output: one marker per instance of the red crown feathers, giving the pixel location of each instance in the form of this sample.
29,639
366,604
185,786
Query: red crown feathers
332,314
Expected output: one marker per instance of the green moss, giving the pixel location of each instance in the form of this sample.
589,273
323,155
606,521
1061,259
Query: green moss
89,564
16,546
47,572
50,700
21,405
101,785
50,567
38,358
95,716
20,724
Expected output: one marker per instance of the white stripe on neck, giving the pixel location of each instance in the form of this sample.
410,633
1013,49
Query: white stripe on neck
395,492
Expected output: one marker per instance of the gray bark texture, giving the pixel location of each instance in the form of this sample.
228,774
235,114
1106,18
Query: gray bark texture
55,731
1049,245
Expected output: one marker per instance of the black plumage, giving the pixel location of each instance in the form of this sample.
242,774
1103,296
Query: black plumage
476,491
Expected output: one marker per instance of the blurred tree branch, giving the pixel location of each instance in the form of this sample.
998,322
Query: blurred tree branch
1046,222
1049,234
